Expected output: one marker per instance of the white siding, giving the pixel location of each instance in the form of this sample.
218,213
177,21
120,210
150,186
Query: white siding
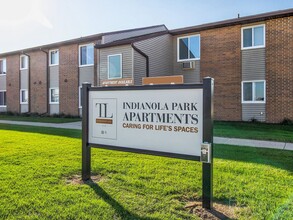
253,111
253,64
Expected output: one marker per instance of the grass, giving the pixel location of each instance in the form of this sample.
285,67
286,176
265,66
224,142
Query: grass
258,131
37,119
35,168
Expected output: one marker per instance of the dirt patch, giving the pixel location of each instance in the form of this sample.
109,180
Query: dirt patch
77,180
219,211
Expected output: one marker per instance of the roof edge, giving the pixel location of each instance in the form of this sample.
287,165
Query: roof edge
134,29
93,37
131,40
54,45
234,21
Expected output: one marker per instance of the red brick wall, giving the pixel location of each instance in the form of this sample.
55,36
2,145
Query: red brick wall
38,82
12,83
68,79
279,69
221,59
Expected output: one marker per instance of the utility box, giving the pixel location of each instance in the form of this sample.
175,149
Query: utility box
205,155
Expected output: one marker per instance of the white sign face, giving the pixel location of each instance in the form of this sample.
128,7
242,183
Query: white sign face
158,120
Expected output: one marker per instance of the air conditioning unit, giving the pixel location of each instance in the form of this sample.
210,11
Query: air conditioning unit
188,65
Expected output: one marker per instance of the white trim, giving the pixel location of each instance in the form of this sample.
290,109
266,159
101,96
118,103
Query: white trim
121,73
20,96
50,102
4,106
4,61
253,92
187,36
79,97
50,51
26,62
252,27
85,65
82,45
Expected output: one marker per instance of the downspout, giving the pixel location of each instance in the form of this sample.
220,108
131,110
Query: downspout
29,81
19,84
144,55
48,79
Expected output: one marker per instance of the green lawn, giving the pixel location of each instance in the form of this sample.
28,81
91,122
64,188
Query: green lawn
258,131
38,119
35,168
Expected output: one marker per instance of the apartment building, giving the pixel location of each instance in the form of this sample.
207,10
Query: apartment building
250,58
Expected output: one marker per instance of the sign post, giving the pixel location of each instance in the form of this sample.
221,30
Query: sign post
170,120
86,149
207,168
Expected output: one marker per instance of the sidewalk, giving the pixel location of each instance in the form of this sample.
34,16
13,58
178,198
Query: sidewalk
70,125
253,143
217,140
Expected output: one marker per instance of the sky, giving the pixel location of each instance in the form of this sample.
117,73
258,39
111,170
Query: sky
30,23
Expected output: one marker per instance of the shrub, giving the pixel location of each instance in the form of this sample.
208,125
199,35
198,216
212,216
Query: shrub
287,121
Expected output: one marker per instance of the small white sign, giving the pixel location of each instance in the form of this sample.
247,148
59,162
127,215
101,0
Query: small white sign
168,120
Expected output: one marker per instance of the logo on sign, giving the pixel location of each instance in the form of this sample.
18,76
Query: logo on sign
103,114
105,118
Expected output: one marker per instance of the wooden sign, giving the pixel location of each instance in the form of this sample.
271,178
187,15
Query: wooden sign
161,80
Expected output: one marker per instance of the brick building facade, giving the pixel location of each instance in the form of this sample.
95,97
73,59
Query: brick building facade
221,45
250,58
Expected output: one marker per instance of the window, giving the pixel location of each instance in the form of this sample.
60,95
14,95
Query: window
3,98
23,62
54,57
54,96
115,66
253,37
80,97
86,55
253,92
23,96
188,48
2,67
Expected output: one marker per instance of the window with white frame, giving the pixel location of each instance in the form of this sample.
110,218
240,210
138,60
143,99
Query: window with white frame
80,97
54,95
115,66
23,62
86,55
253,91
23,96
2,67
54,57
188,48
2,98
253,37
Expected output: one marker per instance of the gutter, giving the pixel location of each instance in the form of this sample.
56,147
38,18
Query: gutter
48,79
144,55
